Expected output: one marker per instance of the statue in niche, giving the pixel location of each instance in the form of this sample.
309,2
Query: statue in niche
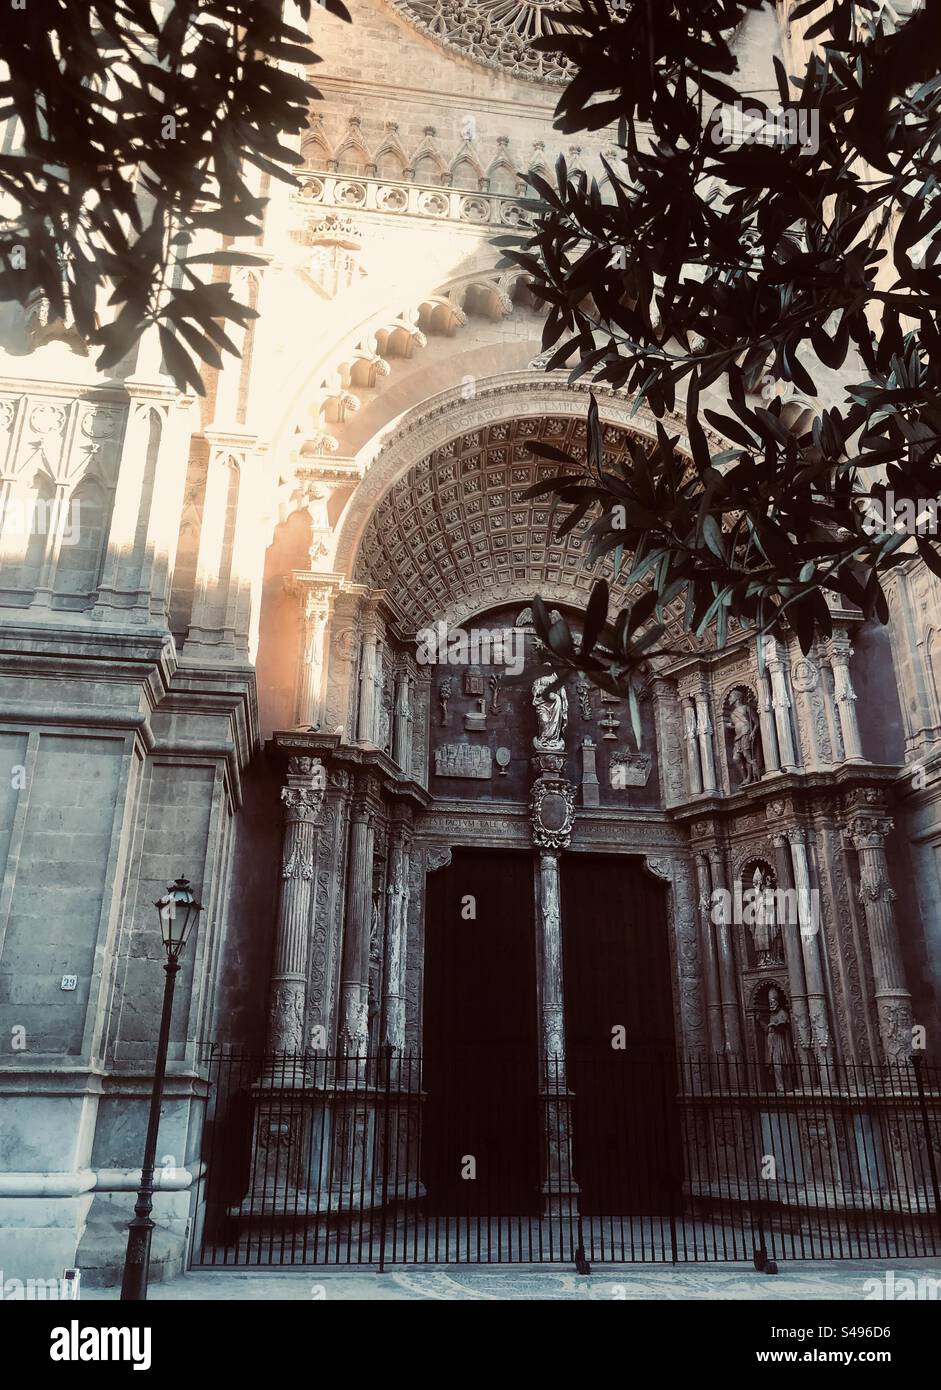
766,933
444,695
551,708
777,1030
743,722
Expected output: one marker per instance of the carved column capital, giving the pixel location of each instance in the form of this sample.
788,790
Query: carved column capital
302,804
869,832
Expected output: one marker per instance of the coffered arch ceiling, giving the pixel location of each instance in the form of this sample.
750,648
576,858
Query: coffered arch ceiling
457,535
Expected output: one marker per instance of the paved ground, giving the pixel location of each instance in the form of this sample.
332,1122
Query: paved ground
847,1280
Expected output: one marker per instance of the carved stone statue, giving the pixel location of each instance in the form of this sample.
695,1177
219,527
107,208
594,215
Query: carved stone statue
777,1028
551,708
743,722
766,933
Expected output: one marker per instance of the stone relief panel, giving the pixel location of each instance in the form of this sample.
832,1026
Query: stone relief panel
490,731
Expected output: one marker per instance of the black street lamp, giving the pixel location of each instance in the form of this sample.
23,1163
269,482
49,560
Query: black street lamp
178,911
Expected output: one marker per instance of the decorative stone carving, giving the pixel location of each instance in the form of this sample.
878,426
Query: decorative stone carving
463,760
475,721
303,803
497,33
551,706
437,857
444,695
629,769
590,792
552,811
610,725
583,691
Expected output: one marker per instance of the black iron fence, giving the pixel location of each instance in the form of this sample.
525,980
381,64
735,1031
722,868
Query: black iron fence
377,1160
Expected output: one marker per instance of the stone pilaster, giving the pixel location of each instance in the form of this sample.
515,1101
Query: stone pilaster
710,965
728,983
769,737
781,705
809,922
397,894
354,976
893,1001
790,935
667,720
302,798
369,676
704,733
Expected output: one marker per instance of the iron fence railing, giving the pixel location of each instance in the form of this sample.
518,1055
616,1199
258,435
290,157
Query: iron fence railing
377,1160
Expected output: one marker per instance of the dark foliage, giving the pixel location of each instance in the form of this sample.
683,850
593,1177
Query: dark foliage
139,126
721,264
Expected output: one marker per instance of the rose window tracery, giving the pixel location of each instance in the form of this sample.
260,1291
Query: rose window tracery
498,33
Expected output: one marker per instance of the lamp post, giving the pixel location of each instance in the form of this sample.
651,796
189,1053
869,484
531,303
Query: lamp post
178,911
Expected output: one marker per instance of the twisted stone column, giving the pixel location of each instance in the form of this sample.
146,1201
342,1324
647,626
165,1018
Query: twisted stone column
893,1001
302,798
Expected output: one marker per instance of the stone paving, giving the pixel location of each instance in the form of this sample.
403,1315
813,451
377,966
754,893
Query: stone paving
849,1280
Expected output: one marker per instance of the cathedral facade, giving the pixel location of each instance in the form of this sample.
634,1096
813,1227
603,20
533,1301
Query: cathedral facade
280,640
